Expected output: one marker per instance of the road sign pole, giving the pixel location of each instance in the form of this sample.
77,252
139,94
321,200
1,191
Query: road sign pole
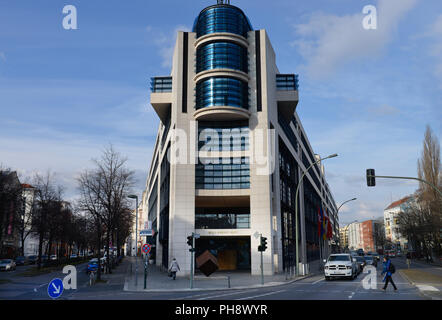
262,262
145,271
192,255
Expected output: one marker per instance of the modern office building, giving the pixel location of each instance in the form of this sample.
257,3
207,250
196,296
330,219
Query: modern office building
230,151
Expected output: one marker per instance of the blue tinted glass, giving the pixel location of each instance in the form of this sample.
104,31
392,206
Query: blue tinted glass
219,91
222,55
222,176
222,19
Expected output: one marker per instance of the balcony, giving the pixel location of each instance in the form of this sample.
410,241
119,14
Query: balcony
161,96
287,94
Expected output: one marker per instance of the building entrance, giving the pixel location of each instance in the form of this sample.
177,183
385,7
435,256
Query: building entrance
233,253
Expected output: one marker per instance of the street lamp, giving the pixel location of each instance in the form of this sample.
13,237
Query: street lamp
344,203
296,208
132,196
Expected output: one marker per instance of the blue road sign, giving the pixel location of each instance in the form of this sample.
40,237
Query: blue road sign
55,288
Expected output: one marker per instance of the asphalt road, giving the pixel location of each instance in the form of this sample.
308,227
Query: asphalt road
312,288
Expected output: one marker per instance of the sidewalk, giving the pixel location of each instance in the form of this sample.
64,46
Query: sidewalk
158,281
428,283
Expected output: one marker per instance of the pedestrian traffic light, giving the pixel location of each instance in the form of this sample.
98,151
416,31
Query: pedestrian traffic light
371,180
263,244
190,243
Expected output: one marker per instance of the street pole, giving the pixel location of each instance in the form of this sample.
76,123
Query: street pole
136,237
145,271
136,243
411,178
296,211
262,261
192,255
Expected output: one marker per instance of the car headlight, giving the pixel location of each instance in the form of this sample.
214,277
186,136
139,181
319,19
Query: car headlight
326,267
349,267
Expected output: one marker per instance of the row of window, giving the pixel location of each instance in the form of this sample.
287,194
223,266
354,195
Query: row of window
222,218
226,173
223,136
219,91
222,55
161,84
222,19
286,82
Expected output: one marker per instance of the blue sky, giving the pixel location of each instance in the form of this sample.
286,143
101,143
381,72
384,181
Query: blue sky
364,94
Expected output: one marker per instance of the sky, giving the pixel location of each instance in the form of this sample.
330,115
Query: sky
365,94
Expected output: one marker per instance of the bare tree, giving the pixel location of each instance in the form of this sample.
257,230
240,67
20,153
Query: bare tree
10,205
379,233
104,192
47,202
430,202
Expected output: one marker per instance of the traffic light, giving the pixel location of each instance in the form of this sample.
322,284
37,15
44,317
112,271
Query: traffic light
263,244
190,243
371,180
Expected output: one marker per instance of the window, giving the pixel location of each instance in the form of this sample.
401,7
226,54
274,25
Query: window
223,173
219,91
222,218
223,136
221,19
221,55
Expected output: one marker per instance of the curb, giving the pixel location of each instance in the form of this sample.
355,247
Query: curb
269,284
414,284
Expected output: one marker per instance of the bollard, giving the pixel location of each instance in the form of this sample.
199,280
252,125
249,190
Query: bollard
228,282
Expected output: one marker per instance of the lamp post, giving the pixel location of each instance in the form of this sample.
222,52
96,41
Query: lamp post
343,204
296,209
132,196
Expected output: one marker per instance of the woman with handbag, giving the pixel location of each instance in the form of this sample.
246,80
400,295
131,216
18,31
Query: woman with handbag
174,268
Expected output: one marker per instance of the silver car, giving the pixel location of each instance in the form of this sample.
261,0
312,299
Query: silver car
7,265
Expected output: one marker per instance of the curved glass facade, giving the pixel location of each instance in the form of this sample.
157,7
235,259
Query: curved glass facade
221,55
218,91
222,18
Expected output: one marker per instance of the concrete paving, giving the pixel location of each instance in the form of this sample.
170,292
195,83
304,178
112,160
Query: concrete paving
158,281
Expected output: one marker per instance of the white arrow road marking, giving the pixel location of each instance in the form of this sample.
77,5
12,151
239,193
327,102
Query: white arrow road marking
57,289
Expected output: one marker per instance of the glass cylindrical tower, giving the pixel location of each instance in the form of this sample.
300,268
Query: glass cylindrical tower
222,46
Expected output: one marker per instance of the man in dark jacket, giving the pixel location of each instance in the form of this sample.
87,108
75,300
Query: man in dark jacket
388,273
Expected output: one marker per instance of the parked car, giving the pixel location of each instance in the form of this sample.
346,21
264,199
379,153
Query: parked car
53,257
361,263
93,265
73,256
32,259
371,260
377,256
360,252
21,261
340,265
7,265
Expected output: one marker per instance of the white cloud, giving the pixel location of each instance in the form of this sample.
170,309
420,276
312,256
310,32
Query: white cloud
166,43
384,110
328,41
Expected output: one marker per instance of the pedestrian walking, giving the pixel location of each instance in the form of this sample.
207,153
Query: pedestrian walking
408,259
389,269
174,268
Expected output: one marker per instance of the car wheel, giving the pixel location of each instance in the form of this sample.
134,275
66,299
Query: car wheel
327,278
